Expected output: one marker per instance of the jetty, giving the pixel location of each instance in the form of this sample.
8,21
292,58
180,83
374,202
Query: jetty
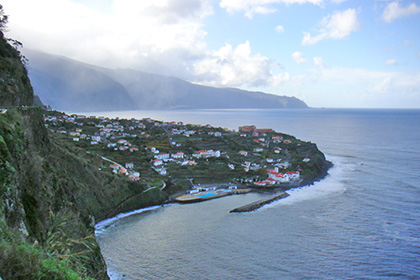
258,204
207,195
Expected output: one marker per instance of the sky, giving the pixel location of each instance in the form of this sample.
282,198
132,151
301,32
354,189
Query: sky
329,53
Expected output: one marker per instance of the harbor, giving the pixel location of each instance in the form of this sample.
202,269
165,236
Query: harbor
202,194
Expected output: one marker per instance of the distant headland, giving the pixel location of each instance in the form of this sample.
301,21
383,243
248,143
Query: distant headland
71,85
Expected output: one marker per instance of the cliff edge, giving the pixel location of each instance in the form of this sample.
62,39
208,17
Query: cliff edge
50,193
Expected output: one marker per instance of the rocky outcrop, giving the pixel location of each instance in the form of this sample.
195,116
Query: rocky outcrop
15,87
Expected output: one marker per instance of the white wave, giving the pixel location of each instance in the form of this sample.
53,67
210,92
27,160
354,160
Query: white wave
102,225
332,184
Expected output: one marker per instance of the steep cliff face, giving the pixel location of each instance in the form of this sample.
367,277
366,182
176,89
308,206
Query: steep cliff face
50,193
15,87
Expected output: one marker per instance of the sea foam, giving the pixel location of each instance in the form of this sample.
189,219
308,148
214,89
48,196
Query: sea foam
333,183
102,225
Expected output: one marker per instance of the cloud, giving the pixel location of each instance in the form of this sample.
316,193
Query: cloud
339,25
165,37
393,11
259,10
390,62
251,7
319,62
230,67
158,36
356,87
279,29
298,57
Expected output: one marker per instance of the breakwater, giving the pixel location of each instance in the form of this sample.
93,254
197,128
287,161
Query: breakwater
258,204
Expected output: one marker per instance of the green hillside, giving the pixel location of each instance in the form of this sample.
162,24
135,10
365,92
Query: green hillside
50,195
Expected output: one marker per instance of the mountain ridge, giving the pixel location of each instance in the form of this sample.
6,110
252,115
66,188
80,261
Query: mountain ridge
67,84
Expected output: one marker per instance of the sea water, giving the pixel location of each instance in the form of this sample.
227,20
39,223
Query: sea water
361,222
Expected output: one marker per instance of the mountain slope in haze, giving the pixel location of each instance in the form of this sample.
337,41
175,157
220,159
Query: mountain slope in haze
161,92
70,85
66,84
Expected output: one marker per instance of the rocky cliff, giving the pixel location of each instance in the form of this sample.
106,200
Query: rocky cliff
50,193
15,87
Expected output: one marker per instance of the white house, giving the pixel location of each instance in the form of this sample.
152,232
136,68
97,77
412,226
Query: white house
161,171
114,166
277,139
206,154
293,175
157,162
178,155
96,138
278,177
189,162
134,177
162,156
243,153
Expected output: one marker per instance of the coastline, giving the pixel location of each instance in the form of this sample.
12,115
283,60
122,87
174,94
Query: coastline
102,224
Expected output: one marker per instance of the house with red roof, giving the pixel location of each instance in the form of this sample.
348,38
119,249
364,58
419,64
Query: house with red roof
178,155
206,154
114,166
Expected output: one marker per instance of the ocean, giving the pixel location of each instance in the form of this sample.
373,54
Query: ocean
361,222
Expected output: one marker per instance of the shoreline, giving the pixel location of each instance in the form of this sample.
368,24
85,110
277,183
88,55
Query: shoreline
102,224
171,199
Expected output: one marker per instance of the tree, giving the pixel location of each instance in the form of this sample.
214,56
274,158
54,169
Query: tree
3,19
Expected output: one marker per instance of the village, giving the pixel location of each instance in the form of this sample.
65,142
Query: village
157,151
